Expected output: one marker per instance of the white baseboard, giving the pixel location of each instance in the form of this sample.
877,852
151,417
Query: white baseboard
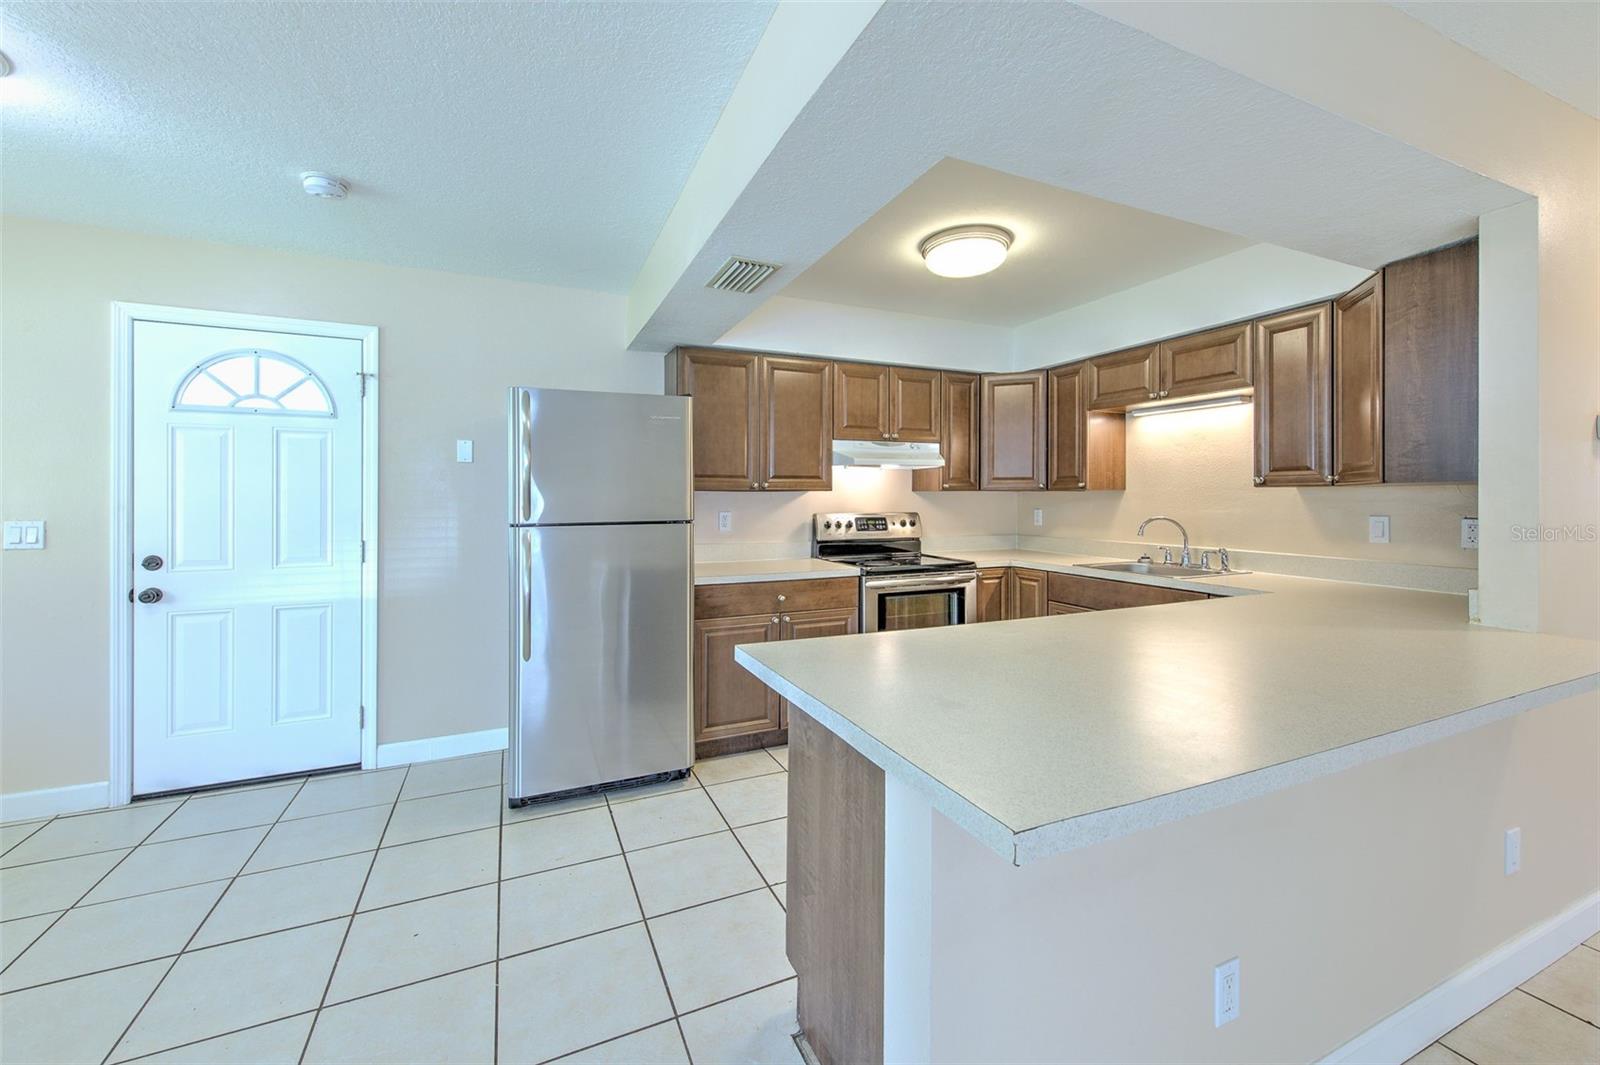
46,802
1405,1032
433,748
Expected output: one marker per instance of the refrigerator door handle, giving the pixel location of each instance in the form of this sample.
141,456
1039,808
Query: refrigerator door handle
525,618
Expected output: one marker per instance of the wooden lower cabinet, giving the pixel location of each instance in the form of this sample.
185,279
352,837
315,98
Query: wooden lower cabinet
732,709
1028,593
993,595
811,624
1065,608
728,699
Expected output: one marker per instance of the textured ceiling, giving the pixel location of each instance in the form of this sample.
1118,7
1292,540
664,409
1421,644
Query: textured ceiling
1553,46
544,142
1064,96
1069,249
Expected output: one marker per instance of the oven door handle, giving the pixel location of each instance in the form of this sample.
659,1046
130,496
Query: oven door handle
931,581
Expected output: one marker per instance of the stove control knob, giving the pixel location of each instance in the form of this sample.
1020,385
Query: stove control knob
913,523
827,525
850,525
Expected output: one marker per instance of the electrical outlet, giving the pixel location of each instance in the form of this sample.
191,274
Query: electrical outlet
1513,850
1378,529
1225,982
724,521
1469,534
1038,515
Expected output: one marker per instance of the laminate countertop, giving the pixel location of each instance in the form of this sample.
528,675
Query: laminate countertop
1044,735
769,569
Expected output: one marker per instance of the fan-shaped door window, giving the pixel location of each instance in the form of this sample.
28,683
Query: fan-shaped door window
251,381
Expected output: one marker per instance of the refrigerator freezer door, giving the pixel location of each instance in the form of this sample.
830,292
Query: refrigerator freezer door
599,457
600,655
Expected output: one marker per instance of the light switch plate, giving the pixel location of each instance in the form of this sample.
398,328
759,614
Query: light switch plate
1038,515
24,536
1513,850
1378,529
463,450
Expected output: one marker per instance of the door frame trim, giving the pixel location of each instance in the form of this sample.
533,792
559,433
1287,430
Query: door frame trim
120,696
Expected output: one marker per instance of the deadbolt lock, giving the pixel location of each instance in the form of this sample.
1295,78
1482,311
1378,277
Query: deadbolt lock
151,562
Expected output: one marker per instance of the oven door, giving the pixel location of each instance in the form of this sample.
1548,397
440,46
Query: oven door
920,601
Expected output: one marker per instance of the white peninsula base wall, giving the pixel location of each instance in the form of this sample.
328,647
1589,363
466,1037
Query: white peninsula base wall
1347,900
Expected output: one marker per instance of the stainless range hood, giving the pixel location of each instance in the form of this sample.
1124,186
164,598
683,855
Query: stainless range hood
889,454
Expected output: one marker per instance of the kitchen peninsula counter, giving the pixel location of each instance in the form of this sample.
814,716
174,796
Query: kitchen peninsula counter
1033,840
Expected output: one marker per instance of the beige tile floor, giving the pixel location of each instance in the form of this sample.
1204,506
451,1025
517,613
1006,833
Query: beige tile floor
406,915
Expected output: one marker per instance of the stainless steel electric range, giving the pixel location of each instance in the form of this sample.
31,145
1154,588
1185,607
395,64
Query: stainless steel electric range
901,588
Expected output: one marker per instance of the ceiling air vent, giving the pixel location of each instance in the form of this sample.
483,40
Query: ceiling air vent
741,275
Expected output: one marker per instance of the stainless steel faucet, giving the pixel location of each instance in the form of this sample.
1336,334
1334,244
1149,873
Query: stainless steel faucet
1184,560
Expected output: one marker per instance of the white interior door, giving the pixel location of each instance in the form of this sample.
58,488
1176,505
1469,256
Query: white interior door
246,554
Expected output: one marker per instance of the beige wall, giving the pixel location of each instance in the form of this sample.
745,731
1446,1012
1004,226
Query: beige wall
450,345
1197,467
1344,899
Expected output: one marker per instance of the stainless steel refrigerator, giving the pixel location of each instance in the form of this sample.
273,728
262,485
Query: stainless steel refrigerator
602,511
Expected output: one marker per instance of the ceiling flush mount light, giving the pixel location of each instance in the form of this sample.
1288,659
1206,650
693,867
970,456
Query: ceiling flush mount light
324,186
966,251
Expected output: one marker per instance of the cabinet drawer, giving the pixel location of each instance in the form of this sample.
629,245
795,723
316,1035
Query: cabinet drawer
761,597
1066,608
1092,593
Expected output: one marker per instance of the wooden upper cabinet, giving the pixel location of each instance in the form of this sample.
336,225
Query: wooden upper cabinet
1217,360
861,394
1358,384
993,595
726,387
1293,405
1029,593
1430,367
958,437
797,416
1069,429
1012,453
1123,378
915,413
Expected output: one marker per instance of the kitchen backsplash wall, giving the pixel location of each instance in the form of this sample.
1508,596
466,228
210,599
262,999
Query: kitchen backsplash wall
1197,467
778,524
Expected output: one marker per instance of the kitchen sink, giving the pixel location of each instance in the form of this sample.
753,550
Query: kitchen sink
1162,569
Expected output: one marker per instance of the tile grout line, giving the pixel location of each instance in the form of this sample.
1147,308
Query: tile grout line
213,909
219,1035
648,934
90,889
31,833
734,832
351,920
1552,1005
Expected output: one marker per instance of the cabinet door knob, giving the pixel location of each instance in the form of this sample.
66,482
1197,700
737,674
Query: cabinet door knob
754,486
1261,480
1082,485
1154,396
774,619
1164,393
783,598
1334,479
1329,478
786,617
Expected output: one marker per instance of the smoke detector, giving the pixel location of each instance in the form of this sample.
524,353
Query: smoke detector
741,275
324,186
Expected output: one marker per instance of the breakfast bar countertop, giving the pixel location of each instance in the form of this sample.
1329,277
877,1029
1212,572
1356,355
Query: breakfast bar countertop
1048,734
